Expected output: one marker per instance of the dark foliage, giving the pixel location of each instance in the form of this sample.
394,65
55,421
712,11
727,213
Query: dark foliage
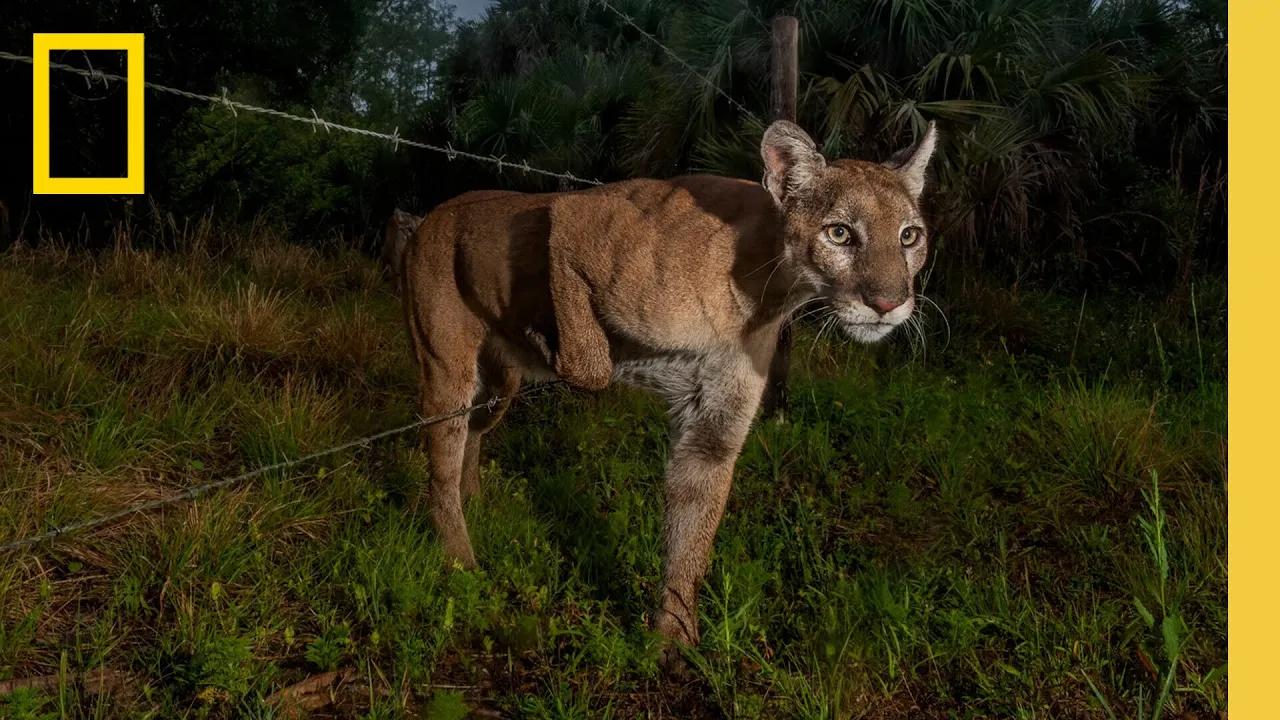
1085,141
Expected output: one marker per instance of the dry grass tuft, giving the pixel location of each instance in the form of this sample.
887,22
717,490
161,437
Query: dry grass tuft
136,273
250,322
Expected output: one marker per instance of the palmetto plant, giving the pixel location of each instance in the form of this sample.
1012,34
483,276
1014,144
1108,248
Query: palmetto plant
1056,112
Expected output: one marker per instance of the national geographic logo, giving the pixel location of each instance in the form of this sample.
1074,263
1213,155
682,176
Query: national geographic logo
132,182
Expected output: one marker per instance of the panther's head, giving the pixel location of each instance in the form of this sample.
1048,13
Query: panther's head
852,229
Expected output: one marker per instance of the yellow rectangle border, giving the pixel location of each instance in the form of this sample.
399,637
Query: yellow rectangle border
132,183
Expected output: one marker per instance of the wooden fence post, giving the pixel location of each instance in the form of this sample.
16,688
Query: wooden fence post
785,66
785,83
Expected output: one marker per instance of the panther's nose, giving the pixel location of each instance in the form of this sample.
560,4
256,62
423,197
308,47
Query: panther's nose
883,304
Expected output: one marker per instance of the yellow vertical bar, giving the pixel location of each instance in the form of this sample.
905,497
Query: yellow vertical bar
1253,256
136,115
40,115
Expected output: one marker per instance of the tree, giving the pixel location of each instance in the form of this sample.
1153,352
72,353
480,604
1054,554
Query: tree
396,69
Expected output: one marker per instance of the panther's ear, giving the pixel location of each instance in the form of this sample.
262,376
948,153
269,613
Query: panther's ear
911,162
791,159
405,223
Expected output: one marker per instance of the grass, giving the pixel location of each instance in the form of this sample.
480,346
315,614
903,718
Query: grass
1025,521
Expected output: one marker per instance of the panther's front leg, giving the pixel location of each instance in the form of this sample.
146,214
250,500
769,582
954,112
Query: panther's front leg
708,430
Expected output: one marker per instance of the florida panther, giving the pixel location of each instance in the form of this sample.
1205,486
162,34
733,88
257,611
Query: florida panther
679,286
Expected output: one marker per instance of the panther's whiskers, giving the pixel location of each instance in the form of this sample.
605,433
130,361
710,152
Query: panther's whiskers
810,312
831,319
943,314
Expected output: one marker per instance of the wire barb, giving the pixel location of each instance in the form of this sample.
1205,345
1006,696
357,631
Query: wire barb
88,79
225,100
317,121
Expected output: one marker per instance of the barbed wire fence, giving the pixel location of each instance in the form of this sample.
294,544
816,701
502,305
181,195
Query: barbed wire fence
196,491
316,122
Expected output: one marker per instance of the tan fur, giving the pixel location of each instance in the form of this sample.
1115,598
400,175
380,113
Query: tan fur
680,286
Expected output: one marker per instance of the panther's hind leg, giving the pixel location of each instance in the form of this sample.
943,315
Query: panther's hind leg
499,382
445,445
446,341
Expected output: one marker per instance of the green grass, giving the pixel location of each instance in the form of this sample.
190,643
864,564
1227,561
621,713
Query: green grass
1025,521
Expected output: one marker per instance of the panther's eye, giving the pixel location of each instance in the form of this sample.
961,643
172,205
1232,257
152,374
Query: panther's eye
838,234
911,236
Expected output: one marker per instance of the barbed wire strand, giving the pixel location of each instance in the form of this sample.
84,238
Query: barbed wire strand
702,77
315,121
196,491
